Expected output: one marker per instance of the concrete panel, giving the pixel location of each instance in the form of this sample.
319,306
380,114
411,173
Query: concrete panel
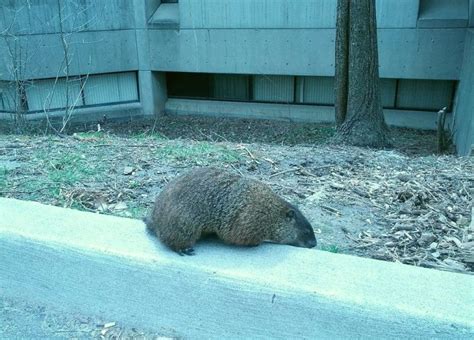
404,53
211,14
464,108
109,266
257,14
42,56
243,51
42,16
29,17
421,54
143,49
96,15
287,112
397,13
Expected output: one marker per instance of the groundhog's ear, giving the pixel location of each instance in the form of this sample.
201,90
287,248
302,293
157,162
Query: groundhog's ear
290,214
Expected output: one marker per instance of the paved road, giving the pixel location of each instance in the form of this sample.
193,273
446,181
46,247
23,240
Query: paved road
22,320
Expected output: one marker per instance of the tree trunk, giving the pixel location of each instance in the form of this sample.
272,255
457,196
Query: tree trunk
342,60
359,115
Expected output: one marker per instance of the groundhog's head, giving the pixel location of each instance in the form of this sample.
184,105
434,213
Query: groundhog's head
295,229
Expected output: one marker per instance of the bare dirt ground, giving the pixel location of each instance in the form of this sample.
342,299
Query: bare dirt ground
19,320
405,204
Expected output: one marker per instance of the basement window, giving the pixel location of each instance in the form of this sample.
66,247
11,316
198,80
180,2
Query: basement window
73,92
427,95
52,94
9,96
111,88
402,94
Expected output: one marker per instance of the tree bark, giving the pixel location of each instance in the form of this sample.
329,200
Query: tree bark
362,123
342,60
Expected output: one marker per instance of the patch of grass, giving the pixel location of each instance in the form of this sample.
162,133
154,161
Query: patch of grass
316,134
67,169
70,167
148,135
202,153
332,248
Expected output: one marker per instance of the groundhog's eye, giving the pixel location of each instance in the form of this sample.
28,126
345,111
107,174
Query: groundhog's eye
290,213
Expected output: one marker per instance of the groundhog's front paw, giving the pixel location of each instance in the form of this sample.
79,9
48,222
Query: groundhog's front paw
187,251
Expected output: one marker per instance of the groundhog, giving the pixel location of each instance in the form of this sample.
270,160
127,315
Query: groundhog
238,210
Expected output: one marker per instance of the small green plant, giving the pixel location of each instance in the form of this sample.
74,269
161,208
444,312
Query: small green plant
137,212
147,135
332,248
134,184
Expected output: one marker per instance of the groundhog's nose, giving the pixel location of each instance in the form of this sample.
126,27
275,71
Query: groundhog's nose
311,243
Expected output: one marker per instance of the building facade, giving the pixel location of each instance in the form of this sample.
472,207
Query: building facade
240,58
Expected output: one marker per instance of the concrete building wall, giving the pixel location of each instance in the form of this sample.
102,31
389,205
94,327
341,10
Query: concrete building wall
304,51
464,111
418,39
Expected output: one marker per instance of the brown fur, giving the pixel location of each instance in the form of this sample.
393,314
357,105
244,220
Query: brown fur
239,210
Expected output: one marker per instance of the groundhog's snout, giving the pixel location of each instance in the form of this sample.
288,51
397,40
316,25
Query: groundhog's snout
309,240
311,243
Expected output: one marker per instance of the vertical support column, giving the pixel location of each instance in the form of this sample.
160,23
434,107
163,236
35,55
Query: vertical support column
153,94
152,85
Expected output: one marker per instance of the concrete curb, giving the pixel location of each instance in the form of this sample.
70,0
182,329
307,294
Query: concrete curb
105,265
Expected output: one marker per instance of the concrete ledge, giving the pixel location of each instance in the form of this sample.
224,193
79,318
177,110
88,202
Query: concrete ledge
109,266
166,16
442,14
289,112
